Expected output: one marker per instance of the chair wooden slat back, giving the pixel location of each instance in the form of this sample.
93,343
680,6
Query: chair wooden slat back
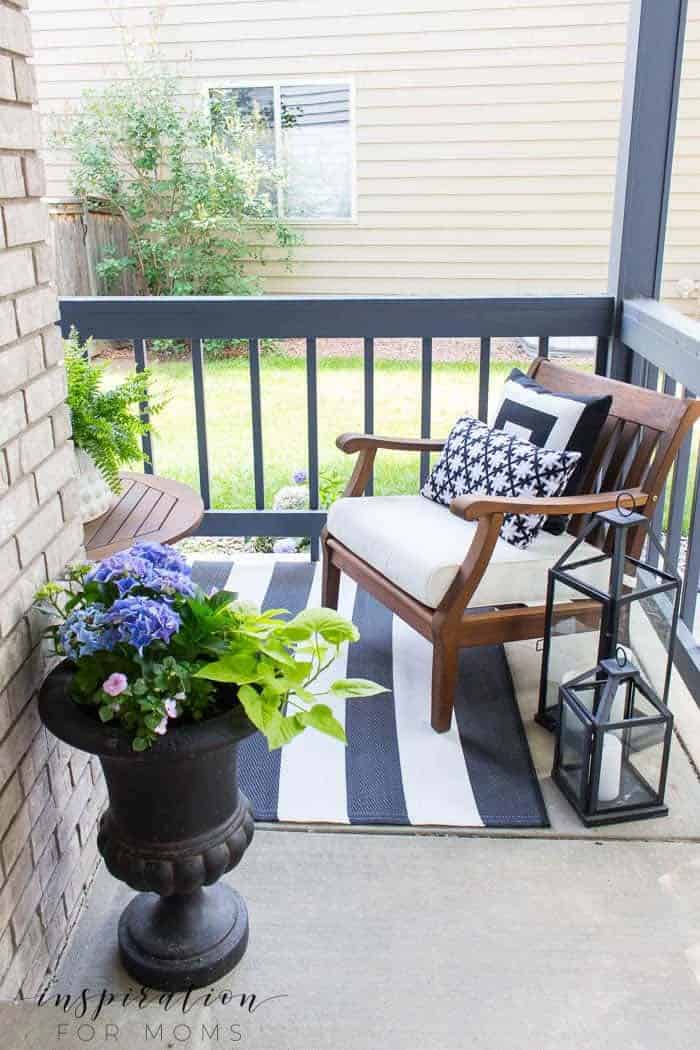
638,443
597,468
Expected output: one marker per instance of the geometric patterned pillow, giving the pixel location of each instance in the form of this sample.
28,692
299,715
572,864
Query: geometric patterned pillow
488,462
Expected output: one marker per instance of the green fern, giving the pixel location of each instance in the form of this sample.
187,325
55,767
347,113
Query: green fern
106,423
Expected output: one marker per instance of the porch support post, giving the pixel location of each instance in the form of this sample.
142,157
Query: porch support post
650,100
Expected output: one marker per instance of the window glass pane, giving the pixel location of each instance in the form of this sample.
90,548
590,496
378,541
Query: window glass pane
250,103
317,144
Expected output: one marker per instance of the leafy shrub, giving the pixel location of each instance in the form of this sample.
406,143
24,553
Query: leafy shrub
213,348
197,198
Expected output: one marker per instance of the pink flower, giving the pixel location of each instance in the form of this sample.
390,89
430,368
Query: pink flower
162,727
115,684
172,708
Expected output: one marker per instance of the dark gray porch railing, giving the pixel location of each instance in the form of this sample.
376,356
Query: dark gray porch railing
666,355
195,319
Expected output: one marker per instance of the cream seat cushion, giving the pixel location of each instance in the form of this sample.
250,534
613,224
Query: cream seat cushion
419,545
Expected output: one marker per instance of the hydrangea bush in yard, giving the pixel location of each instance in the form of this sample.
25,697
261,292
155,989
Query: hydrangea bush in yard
150,650
296,497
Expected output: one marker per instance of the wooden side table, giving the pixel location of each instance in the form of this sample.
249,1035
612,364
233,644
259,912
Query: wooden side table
151,509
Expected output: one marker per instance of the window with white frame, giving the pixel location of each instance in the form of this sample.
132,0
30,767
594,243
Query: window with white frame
307,133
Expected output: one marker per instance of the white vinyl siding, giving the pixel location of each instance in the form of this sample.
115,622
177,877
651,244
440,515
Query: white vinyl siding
486,130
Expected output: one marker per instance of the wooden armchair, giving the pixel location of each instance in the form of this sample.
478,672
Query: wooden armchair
477,601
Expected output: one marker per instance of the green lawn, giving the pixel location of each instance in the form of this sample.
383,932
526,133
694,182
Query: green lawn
340,386
340,383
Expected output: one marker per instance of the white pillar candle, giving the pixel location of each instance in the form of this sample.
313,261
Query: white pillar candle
617,711
610,769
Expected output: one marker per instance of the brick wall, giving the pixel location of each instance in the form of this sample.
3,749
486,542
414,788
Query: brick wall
49,796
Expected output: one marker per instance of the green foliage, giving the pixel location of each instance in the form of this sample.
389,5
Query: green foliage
106,423
214,349
226,652
275,662
196,195
331,485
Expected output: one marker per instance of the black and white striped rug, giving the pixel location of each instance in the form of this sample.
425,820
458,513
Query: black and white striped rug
395,769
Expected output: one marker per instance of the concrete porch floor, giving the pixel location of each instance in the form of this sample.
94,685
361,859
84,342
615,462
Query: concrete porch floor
542,939
414,941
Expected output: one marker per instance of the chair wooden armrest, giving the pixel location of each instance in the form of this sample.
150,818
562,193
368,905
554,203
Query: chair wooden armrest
368,445
488,512
361,442
472,507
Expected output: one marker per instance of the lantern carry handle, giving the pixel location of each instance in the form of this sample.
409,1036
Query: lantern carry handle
622,510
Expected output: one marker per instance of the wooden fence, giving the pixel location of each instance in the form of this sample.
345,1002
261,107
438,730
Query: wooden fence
80,239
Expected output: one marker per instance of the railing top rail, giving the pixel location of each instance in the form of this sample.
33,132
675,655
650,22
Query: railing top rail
666,338
280,317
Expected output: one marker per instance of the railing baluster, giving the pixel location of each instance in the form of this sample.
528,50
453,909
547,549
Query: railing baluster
679,491
602,349
543,349
146,442
256,419
312,417
692,567
426,392
637,369
651,377
651,380
484,376
657,523
200,413
369,400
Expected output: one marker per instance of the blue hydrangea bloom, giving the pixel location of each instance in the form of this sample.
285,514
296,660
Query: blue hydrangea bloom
161,556
131,569
86,631
171,583
125,569
140,621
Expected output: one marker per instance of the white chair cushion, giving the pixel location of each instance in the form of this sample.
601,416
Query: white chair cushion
419,545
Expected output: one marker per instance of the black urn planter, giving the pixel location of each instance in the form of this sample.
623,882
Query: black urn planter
176,823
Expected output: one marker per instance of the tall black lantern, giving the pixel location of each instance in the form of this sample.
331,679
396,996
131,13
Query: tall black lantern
613,745
590,607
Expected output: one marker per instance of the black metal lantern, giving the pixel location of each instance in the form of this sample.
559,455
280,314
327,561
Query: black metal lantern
590,608
613,745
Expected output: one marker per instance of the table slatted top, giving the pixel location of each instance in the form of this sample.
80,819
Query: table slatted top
150,508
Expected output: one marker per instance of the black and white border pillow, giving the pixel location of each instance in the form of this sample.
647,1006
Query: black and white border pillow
488,462
568,422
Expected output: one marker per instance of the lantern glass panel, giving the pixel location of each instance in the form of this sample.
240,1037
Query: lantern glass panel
596,573
588,572
574,641
635,620
611,766
574,753
631,768
649,641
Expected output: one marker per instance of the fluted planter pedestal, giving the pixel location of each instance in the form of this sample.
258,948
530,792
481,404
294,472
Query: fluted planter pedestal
176,823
